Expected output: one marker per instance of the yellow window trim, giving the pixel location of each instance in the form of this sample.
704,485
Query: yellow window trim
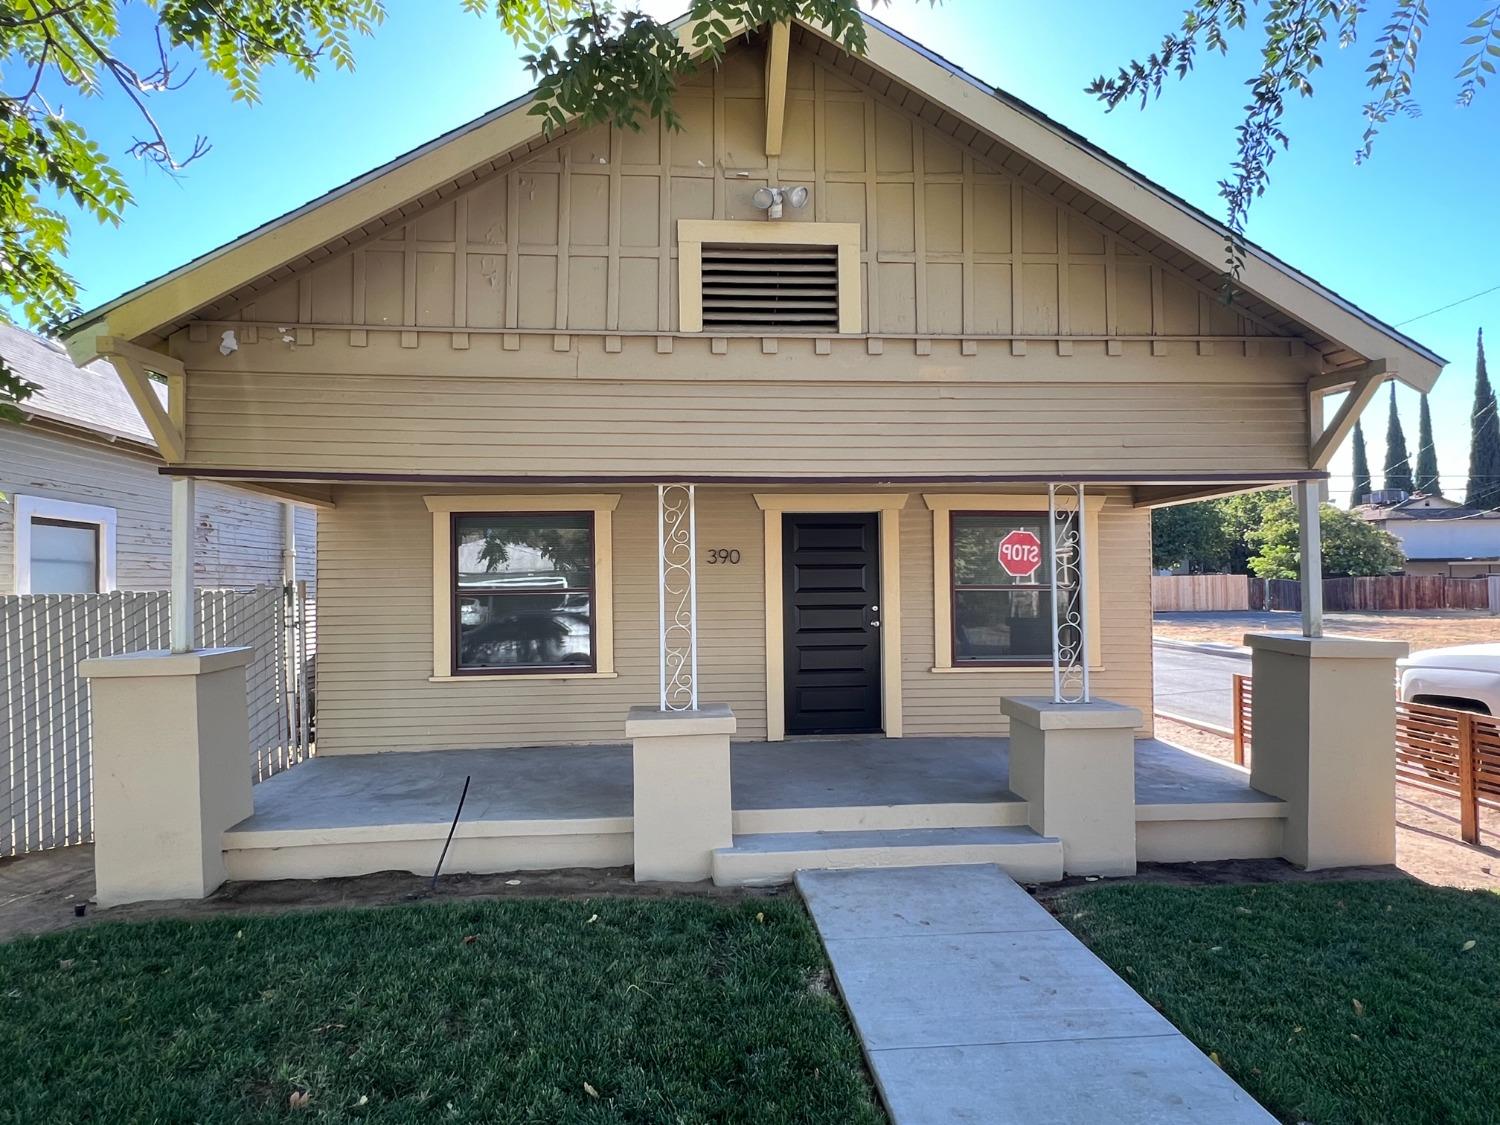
942,505
887,506
693,233
443,508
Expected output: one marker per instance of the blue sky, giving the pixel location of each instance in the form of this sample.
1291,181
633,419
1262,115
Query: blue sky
1413,229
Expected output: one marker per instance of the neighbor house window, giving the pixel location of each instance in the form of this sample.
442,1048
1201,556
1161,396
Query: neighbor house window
523,592
1002,603
521,586
62,547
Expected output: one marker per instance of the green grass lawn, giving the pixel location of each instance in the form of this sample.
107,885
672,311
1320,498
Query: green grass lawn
1329,1002
610,1010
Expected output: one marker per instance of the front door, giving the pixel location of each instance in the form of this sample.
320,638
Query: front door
831,594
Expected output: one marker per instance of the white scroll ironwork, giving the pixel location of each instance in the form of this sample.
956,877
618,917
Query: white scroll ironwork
1067,530
677,595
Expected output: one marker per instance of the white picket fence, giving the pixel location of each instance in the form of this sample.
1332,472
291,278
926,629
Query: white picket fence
45,759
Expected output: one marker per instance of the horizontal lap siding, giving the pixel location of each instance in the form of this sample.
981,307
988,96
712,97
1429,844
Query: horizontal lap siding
508,425
969,702
375,632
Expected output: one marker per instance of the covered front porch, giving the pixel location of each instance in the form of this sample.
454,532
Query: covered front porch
823,802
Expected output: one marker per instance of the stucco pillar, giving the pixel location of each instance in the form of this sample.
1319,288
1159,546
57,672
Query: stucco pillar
1074,764
171,750
1322,738
682,804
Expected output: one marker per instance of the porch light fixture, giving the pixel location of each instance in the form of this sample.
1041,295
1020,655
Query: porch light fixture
770,199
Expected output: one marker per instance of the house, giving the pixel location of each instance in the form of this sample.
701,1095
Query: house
1439,535
84,509
705,526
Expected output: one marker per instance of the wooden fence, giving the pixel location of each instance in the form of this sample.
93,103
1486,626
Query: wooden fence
1455,753
46,761
1229,593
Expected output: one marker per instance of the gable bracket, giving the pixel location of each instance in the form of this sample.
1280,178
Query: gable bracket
134,365
1362,383
776,63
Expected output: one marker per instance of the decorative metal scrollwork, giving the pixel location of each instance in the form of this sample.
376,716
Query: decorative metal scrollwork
1066,525
677,573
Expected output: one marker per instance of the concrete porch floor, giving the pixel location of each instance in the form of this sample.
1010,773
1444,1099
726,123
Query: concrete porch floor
593,783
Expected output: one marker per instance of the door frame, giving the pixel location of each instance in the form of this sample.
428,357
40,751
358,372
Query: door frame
887,507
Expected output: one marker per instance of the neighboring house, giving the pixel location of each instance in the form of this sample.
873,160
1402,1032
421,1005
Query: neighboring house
591,429
84,508
1439,535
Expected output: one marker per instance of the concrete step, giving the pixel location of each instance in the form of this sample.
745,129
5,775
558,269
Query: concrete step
774,857
854,818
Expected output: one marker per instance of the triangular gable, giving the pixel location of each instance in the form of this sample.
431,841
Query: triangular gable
1023,142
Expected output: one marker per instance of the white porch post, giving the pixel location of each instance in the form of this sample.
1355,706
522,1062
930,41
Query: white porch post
1310,546
182,594
680,747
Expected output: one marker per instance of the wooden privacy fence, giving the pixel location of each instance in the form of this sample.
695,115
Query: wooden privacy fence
45,734
1229,593
1456,753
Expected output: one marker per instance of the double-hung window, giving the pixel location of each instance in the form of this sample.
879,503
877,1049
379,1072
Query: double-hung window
1002,609
523,592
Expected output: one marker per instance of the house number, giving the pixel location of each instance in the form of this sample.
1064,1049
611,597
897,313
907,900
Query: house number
729,555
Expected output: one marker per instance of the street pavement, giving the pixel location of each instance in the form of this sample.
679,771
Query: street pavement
1195,682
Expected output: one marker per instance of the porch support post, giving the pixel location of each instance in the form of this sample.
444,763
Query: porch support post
182,596
171,755
680,747
1074,765
1324,721
1310,547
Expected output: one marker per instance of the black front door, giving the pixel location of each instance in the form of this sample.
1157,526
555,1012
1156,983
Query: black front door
831,590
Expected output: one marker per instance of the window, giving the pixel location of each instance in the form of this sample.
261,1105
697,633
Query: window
1000,614
523,592
768,277
62,547
521,586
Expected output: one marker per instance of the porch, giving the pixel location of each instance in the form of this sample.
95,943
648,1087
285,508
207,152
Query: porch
825,802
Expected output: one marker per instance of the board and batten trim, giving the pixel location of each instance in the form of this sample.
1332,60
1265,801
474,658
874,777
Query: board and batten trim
444,507
693,233
943,505
887,506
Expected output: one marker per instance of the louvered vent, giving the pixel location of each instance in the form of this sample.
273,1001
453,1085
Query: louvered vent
753,288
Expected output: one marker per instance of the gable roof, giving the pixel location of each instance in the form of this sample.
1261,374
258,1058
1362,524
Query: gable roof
88,398
1159,221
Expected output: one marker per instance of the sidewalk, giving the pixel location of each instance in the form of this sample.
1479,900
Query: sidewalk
975,1004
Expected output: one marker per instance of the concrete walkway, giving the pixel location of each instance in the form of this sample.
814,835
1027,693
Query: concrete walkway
976,1005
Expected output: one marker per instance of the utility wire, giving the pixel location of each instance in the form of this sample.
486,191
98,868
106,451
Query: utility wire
1449,305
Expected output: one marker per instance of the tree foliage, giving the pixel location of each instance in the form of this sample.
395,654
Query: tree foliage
1397,459
592,60
1483,489
1427,478
1211,536
1352,546
1363,485
1291,37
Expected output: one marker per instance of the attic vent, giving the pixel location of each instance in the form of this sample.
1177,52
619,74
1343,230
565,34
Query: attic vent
754,287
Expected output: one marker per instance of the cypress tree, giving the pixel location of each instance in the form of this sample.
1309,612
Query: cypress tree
1397,459
1484,440
1362,484
1427,466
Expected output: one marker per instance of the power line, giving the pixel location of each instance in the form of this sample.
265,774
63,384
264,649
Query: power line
1449,305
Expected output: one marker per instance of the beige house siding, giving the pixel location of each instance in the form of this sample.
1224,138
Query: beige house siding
959,236
424,423
238,536
376,638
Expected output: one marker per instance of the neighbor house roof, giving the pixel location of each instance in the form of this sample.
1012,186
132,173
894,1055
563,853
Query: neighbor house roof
88,398
1346,335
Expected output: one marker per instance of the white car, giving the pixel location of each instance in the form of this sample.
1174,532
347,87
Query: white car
1464,677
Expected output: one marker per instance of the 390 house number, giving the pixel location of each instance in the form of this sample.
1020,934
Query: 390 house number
729,556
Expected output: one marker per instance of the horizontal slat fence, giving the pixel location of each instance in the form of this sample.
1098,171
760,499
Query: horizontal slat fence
1454,753
45,736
